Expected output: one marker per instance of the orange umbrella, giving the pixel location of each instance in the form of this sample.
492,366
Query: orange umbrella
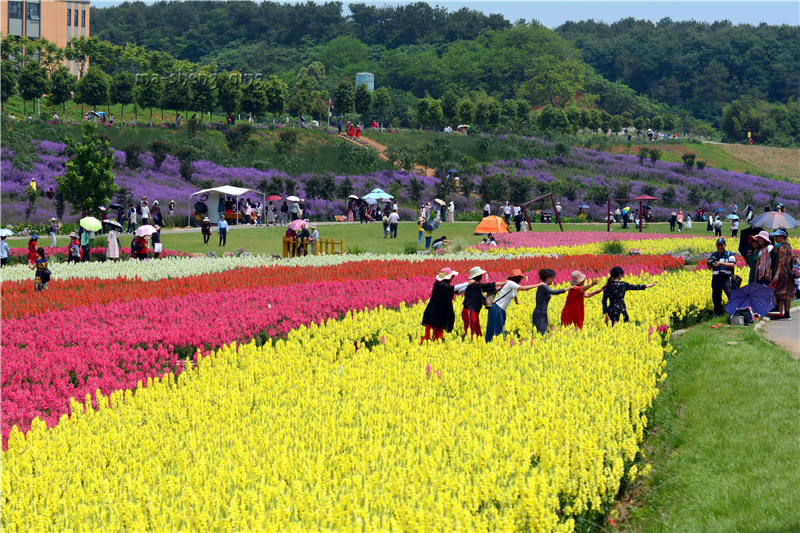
491,224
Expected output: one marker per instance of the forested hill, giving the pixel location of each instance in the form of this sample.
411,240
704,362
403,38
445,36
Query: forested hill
632,68
193,30
699,67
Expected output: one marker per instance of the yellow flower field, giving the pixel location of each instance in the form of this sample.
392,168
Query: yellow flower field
313,435
645,246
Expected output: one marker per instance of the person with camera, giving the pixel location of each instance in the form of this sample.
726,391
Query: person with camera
722,263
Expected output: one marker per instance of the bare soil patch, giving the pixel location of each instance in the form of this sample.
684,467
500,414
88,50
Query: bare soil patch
784,162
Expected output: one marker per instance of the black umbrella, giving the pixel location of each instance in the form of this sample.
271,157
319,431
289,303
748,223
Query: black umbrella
115,206
430,225
200,207
744,243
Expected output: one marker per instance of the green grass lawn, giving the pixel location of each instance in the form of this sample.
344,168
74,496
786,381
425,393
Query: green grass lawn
725,446
366,237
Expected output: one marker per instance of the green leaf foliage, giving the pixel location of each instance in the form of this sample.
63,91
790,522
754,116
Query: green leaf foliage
89,181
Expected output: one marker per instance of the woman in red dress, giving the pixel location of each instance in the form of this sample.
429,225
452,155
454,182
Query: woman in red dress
32,255
573,312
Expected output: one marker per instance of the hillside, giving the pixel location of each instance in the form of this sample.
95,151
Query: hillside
495,169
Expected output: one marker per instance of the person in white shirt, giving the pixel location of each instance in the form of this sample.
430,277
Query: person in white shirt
734,227
558,212
145,214
487,209
507,214
394,218
496,322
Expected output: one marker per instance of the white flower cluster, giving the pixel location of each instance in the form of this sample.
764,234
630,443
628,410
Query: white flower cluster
179,267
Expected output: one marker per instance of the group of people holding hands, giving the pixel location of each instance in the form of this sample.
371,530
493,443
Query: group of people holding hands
479,293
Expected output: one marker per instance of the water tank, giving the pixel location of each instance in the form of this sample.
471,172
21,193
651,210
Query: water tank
367,78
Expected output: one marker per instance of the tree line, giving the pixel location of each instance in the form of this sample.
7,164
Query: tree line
695,66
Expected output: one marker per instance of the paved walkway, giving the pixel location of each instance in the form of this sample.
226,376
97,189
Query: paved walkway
785,333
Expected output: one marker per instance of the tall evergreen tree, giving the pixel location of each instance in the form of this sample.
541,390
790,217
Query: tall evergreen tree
93,87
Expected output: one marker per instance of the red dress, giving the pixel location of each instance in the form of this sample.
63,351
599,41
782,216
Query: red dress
573,308
32,252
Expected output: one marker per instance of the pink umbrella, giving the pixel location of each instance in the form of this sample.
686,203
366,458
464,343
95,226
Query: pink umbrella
298,224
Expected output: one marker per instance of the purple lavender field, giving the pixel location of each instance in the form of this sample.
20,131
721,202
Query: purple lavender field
588,175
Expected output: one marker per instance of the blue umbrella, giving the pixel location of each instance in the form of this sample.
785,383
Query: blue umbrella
755,296
583,206
733,217
377,194
719,210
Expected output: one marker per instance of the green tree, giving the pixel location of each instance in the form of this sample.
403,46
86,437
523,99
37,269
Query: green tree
449,103
422,111
229,91
552,118
482,114
363,100
8,87
277,94
640,124
553,79
655,155
204,92
575,117
616,123
254,98
382,101
344,96
493,188
32,82
519,190
62,86
595,120
466,111
122,90
493,111
159,149
657,123
176,95
148,92
303,99
435,115
688,160
89,181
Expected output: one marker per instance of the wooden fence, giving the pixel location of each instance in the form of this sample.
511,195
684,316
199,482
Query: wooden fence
299,247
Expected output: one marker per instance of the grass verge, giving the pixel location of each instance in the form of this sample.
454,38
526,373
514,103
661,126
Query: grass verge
724,444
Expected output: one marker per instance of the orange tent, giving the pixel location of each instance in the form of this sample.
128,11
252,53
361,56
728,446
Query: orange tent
491,224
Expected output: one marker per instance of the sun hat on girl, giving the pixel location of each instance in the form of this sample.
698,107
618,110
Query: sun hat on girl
446,273
578,277
474,272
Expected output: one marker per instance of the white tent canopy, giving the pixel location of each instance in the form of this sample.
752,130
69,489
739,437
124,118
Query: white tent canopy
215,193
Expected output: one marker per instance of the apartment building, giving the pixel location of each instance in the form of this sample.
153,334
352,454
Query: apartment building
57,21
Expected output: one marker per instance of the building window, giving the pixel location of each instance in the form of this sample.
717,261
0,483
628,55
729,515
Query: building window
75,19
15,10
83,19
69,17
33,11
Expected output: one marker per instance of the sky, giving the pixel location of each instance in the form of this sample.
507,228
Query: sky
553,14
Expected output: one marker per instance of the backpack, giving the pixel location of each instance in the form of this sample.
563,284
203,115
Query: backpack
75,251
136,246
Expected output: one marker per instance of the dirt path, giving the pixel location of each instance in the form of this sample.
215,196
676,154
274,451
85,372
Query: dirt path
381,149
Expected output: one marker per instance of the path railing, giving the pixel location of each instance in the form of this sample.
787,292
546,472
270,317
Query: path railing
300,247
